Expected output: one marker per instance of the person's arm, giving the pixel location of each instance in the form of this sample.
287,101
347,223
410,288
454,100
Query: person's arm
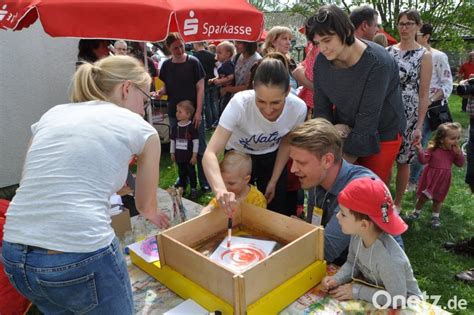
424,92
443,72
210,164
363,140
234,88
323,107
280,163
199,98
394,281
299,75
224,80
344,274
148,169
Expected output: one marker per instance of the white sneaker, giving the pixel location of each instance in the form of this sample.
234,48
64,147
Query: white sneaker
411,187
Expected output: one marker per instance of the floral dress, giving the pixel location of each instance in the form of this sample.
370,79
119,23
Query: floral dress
409,62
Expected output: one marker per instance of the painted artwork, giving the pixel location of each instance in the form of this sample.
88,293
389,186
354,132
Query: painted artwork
243,252
146,249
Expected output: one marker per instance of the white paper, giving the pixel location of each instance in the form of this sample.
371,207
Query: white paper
243,253
186,308
146,249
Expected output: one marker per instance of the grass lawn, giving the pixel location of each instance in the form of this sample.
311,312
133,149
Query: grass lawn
434,267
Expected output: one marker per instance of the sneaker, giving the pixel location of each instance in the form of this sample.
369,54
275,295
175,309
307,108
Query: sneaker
413,216
193,194
466,276
411,187
435,222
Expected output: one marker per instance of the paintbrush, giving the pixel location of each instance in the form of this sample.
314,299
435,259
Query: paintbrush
229,230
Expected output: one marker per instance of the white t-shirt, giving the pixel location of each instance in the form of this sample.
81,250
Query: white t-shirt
78,158
252,133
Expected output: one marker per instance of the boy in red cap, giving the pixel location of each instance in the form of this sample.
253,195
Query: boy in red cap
375,261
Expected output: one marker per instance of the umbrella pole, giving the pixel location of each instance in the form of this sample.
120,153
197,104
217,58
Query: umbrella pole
149,110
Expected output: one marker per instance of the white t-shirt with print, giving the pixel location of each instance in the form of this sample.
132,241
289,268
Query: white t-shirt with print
78,158
252,133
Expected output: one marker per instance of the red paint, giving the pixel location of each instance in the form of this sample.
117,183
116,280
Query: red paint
242,255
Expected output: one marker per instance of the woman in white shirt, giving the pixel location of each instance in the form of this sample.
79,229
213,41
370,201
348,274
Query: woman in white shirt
256,122
59,249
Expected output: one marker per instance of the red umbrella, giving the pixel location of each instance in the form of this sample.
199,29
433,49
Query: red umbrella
139,20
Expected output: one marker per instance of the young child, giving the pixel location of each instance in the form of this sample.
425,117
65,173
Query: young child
184,146
435,180
375,260
224,53
236,170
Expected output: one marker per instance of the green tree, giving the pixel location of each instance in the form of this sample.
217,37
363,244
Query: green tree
451,19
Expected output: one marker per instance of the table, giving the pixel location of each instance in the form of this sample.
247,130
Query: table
152,298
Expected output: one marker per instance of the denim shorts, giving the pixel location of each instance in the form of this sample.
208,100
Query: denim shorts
79,283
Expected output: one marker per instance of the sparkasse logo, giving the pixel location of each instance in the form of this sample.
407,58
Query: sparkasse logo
191,27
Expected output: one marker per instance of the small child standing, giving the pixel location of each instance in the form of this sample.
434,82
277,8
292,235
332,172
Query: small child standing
236,170
184,146
224,53
435,181
375,261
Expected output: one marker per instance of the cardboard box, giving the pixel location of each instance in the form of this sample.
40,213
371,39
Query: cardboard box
303,246
121,223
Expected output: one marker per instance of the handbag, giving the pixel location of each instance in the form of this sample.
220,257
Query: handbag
438,113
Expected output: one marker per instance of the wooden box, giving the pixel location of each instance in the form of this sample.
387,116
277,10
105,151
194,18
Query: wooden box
303,246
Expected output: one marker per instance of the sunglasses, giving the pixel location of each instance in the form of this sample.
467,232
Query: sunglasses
320,17
148,102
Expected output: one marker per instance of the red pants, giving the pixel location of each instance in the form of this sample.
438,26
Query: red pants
382,162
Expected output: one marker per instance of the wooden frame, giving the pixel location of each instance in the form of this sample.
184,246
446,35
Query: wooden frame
303,246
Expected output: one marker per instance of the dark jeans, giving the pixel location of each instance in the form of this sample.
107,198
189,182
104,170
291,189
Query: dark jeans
416,167
202,147
187,172
464,104
262,168
470,154
210,105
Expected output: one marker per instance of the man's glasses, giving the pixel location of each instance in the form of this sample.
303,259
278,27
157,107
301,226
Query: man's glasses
149,101
406,25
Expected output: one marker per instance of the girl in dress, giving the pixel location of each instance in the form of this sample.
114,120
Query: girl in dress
435,180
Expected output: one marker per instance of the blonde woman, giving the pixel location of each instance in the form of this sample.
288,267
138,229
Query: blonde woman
279,40
59,249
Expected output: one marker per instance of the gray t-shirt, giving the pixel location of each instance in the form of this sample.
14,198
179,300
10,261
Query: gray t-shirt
383,264
78,158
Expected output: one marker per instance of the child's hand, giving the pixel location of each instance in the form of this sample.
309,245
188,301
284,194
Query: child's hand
328,283
343,292
173,157
456,149
211,81
419,148
193,160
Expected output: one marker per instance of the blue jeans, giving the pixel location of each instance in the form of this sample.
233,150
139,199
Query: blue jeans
64,283
416,167
210,108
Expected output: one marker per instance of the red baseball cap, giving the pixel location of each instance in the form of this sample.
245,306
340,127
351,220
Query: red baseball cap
370,196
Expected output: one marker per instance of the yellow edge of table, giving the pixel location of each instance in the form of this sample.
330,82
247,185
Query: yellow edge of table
271,303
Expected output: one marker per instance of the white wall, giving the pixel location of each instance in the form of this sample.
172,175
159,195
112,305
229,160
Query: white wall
35,72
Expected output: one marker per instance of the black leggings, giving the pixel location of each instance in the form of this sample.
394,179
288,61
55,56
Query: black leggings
262,169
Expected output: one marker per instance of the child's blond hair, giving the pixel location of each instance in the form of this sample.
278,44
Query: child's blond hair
228,46
236,161
188,107
442,132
